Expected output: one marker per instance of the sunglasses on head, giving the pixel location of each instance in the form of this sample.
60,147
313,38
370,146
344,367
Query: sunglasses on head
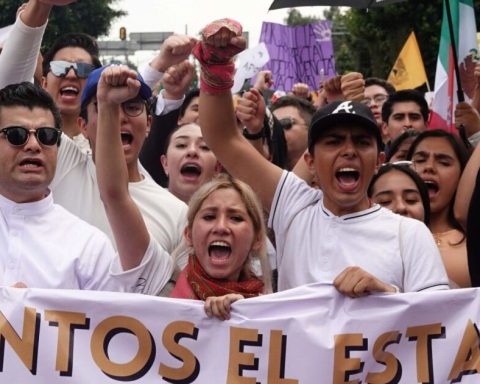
400,163
60,68
19,136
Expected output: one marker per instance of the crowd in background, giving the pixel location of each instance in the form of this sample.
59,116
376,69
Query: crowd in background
201,194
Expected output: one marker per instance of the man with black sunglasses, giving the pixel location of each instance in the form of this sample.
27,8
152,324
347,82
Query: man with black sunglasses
294,115
66,64
20,54
43,245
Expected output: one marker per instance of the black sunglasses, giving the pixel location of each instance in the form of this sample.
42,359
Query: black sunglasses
19,136
289,122
60,68
286,123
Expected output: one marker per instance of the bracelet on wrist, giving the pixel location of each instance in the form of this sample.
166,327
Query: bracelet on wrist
253,136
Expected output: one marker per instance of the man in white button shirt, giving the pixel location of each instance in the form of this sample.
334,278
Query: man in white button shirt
43,245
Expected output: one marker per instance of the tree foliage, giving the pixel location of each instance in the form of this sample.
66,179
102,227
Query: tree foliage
376,36
369,41
295,18
89,16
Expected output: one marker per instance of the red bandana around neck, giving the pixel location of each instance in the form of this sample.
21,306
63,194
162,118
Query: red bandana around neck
205,286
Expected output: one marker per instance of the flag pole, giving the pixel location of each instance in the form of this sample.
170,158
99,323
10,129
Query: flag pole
460,95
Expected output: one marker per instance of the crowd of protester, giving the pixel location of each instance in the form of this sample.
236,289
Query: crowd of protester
201,194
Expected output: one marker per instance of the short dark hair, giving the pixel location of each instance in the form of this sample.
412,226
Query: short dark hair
189,96
305,108
75,40
405,95
395,144
389,88
29,96
462,155
422,188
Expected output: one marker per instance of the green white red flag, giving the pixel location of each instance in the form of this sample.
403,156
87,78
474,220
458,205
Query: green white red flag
445,92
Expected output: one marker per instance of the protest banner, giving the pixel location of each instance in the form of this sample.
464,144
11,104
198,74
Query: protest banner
310,334
248,63
302,54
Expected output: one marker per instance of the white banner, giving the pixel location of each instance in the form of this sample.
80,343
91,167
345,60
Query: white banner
309,335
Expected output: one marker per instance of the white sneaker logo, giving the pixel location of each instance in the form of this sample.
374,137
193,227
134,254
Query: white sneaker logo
346,106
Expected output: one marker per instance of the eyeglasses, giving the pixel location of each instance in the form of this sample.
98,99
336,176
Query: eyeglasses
19,136
377,99
60,68
132,108
289,122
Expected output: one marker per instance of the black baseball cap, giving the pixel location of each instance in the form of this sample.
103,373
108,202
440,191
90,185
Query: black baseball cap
342,112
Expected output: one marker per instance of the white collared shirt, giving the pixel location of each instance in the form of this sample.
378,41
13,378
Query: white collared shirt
45,246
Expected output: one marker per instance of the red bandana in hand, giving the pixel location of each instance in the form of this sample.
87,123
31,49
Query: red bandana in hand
217,65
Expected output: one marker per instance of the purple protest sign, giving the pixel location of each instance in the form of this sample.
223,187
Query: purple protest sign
300,54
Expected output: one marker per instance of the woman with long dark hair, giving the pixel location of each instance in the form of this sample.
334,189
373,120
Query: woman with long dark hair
398,187
439,159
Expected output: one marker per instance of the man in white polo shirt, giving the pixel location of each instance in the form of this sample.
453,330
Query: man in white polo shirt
333,235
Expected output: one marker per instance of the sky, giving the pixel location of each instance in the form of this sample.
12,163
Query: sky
190,16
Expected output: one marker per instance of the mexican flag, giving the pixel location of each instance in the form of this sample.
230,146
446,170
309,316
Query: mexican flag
445,94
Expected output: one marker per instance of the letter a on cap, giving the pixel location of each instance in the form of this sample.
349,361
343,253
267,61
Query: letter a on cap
346,106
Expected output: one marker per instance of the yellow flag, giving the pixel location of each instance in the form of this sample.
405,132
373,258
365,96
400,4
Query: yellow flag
408,71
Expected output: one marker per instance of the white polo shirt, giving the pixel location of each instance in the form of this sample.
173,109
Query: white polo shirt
45,246
314,245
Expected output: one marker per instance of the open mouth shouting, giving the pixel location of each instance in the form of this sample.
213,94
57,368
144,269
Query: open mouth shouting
191,171
69,93
31,165
127,138
432,187
347,178
219,252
